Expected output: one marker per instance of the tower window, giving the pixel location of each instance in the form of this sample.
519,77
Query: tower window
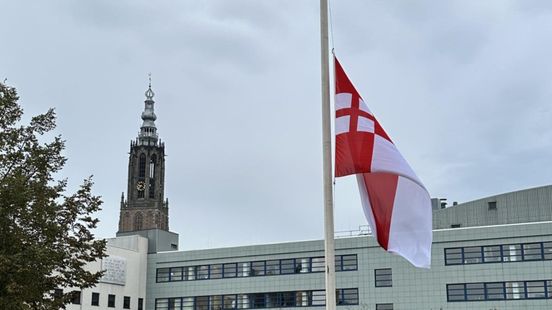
138,221
142,166
152,166
152,176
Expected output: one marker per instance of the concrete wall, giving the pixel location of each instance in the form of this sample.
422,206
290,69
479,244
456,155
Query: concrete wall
530,205
133,251
158,240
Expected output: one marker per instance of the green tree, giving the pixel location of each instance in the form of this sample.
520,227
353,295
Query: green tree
45,235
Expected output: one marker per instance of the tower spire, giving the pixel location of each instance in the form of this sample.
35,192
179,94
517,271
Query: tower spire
148,131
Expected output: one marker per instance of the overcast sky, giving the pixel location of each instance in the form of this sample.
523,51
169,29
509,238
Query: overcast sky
462,87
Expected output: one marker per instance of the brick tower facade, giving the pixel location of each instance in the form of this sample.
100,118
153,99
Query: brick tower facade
145,207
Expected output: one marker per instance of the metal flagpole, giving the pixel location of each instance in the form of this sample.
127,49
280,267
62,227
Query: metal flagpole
329,247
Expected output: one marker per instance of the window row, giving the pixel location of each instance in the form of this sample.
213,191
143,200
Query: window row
499,253
347,296
541,289
254,268
95,300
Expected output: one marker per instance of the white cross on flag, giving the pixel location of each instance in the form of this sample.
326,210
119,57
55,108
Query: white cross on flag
395,202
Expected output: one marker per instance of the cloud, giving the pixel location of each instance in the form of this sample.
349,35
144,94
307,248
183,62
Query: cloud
461,87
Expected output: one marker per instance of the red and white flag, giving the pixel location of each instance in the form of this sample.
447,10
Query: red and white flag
395,202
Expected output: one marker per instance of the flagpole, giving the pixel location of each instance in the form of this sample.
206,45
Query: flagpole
329,246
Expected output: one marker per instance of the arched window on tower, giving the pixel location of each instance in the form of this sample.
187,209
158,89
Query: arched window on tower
138,221
141,175
153,161
142,166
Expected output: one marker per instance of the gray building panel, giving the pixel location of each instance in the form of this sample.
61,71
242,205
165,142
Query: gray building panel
412,288
525,206
158,240
520,222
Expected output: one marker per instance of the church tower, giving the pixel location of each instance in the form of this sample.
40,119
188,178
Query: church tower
146,207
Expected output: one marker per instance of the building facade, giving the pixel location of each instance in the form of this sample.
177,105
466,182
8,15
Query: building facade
123,286
489,254
506,266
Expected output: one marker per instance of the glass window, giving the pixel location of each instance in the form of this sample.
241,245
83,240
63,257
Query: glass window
532,251
258,268
384,306
230,270
473,255
162,304
492,253
317,264
318,298
76,297
216,271
163,274
547,249
243,301
348,296
202,272
175,303
111,301
190,273
244,269
456,292
515,290
58,293
511,252
257,300
95,299
288,266
303,264
187,303
453,256
349,262
499,253
202,303
272,267
495,291
176,274
273,300
302,298
288,299
216,302
126,302
475,291
140,303
229,302
383,277
535,289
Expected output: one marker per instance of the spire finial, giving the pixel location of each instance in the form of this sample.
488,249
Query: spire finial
149,92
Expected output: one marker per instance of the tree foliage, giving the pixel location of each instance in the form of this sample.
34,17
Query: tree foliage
45,235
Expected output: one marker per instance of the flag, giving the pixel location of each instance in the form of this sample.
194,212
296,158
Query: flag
395,202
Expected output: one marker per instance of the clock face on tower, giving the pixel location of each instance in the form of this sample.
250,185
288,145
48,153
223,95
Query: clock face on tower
140,185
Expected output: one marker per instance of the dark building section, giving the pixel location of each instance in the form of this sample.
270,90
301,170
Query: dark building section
146,210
